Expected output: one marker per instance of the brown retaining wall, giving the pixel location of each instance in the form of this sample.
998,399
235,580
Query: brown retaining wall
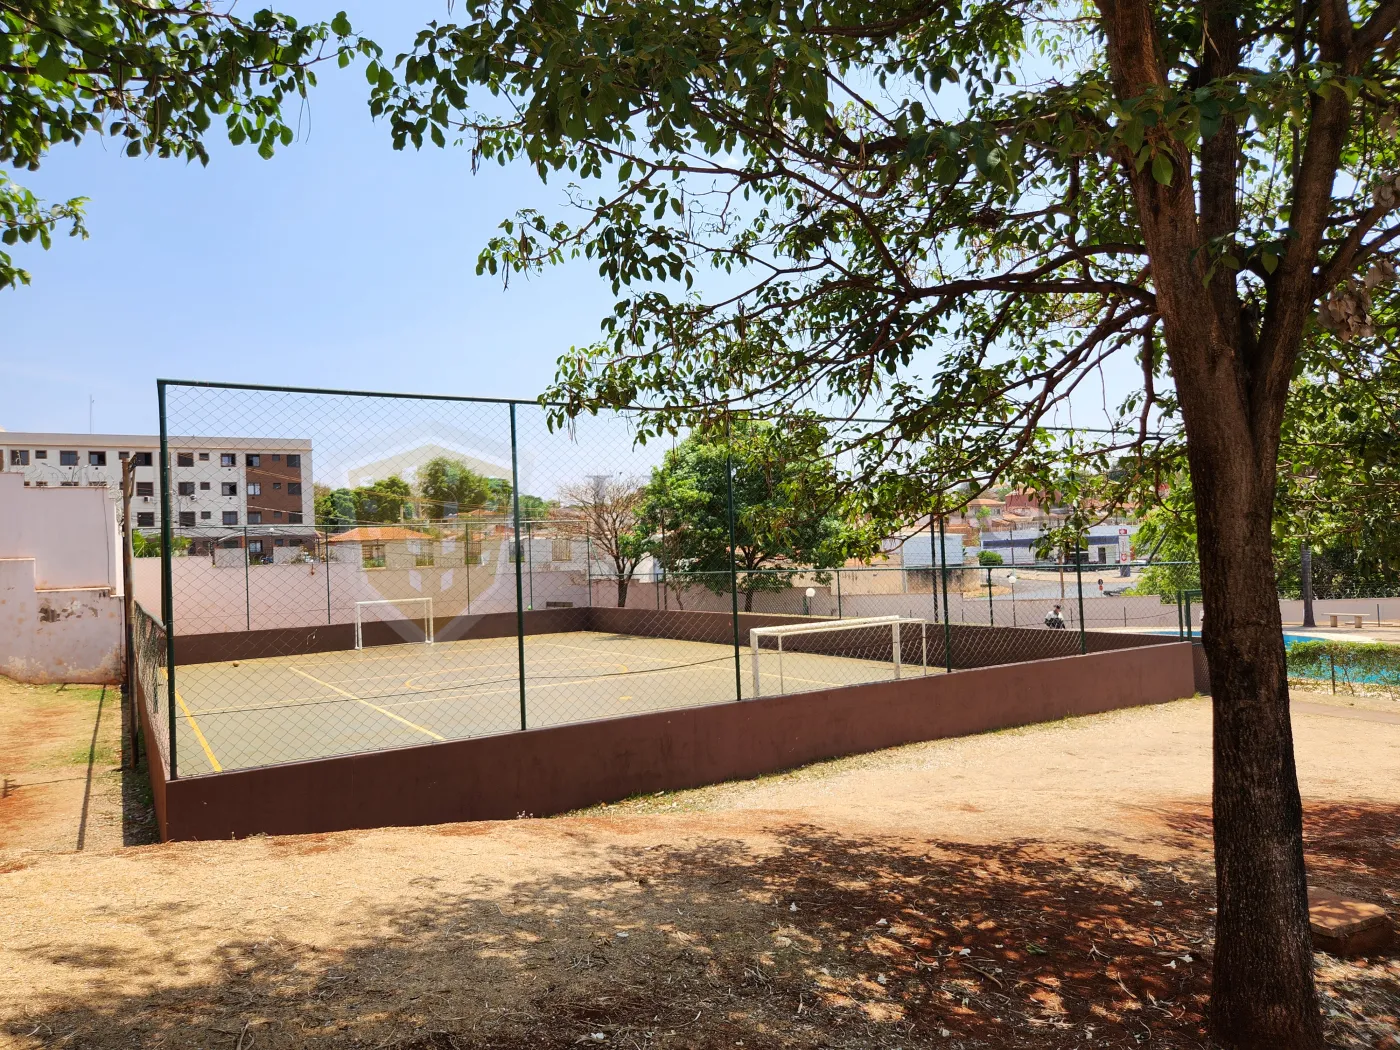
973,645
553,770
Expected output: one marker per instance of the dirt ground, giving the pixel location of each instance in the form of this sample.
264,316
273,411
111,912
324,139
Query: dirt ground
1045,887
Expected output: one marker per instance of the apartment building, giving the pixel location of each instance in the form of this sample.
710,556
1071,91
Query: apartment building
220,488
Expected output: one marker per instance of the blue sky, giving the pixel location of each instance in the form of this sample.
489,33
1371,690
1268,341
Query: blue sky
339,263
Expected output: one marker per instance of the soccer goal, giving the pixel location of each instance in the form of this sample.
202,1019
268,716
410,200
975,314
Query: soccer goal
896,624
427,616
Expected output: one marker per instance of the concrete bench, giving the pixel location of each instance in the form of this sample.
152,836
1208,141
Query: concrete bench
1355,618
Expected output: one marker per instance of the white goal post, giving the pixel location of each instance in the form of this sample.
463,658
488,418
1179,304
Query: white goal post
427,617
757,634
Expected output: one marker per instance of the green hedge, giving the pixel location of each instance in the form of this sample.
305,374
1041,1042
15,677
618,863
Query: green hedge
1355,663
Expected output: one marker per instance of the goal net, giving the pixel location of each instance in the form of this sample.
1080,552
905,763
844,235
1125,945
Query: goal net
416,611
847,649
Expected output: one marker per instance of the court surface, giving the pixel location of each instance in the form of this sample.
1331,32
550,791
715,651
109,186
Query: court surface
245,713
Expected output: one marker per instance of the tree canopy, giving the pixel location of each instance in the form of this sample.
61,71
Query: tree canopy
156,75
448,486
786,502
949,217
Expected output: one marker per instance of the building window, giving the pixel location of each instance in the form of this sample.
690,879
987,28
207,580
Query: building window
19,457
123,455
68,458
145,488
277,514
146,519
204,486
183,488
41,453
253,460
141,459
277,486
293,518
97,459
561,549
422,552
373,555
187,518
293,461
228,488
228,459
278,543
277,458
255,488
230,517
204,457
205,515
294,488
184,459
255,517
254,546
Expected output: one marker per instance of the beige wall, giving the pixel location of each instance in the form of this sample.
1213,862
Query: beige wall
70,533
60,610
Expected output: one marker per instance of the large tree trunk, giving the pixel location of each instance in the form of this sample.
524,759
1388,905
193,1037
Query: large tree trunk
1263,994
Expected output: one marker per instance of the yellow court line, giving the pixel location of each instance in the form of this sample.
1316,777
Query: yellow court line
197,734
374,707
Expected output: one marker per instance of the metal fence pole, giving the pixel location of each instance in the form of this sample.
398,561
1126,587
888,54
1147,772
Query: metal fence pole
588,564
467,561
733,571
530,558
991,612
947,624
247,584
838,595
328,573
1079,579
167,587
519,583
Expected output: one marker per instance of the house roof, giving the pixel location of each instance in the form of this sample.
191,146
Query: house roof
378,534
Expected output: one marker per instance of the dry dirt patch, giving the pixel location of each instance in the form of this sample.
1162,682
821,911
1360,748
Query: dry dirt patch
1046,887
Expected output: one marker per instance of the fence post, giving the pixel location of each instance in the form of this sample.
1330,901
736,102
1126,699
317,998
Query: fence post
167,587
838,595
733,571
947,624
1079,580
519,583
991,612
328,573
467,561
588,564
247,585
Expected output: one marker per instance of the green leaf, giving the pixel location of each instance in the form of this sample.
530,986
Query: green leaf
1162,168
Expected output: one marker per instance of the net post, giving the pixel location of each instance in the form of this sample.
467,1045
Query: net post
167,588
947,625
428,628
754,646
519,583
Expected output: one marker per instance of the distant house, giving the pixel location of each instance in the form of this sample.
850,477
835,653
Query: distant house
388,547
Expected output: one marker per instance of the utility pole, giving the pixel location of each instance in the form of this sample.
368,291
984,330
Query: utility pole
129,604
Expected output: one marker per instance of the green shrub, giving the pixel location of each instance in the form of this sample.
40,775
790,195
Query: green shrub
1366,664
989,558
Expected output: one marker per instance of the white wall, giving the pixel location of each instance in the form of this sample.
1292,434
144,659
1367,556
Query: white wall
70,533
60,610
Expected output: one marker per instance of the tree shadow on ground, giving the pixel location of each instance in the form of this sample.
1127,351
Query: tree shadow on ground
821,940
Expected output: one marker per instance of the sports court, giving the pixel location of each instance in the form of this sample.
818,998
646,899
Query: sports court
258,712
